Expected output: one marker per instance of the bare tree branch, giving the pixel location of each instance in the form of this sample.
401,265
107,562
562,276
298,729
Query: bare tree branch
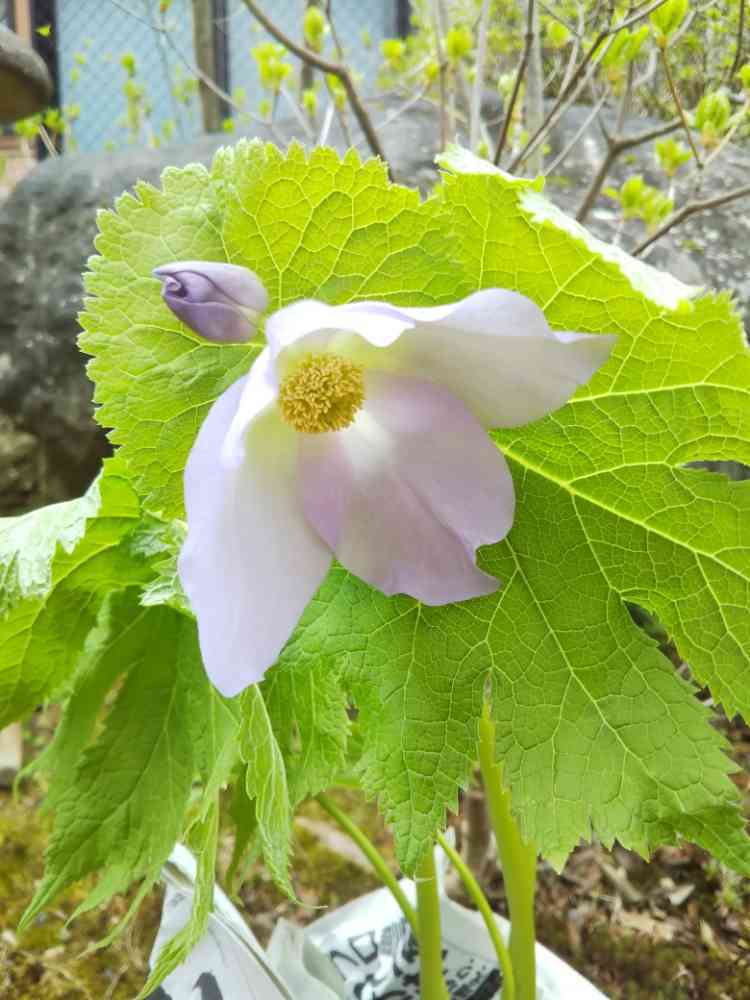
533,98
627,95
692,208
575,48
678,105
476,97
528,42
326,66
438,30
327,122
577,84
738,48
334,34
560,20
561,156
297,112
407,104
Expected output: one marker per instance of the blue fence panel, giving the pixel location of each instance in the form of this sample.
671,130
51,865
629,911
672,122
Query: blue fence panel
92,36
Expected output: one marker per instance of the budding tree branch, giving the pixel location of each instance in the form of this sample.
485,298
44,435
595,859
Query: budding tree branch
692,208
325,66
616,146
583,72
521,72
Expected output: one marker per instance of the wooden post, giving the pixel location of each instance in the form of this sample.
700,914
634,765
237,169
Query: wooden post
205,58
22,19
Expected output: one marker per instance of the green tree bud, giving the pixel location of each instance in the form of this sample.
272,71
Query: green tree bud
458,43
314,27
667,18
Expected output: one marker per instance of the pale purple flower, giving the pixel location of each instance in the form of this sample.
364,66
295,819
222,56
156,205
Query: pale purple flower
222,302
360,432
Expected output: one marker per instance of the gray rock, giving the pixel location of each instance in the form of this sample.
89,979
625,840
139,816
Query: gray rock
25,83
50,447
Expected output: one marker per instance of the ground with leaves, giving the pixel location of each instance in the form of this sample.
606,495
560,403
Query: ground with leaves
675,929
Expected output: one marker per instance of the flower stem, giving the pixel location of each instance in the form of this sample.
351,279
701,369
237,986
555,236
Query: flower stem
431,981
518,863
375,858
480,901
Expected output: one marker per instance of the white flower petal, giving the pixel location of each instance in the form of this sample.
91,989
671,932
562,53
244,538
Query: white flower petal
494,349
251,562
260,390
406,494
496,352
377,323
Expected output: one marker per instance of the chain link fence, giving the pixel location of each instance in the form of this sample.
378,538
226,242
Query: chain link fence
128,70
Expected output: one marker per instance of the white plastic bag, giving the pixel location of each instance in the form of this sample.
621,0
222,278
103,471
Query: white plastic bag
362,951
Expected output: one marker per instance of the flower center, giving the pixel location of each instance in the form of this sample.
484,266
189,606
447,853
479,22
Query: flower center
322,394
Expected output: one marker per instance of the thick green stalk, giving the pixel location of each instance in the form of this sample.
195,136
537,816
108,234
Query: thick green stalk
431,981
375,858
518,862
480,901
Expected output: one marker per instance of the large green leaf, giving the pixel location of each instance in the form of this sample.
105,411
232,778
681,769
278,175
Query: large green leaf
595,729
55,590
112,647
122,811
631,524
266,785
28,544
307,707
204,841
673,539
316,225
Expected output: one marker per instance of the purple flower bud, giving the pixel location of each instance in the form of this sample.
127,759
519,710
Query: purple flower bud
221,302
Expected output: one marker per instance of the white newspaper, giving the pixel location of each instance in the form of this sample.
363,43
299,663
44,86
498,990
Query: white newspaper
362,951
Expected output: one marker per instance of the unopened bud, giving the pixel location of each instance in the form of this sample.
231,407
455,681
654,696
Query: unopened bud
221,302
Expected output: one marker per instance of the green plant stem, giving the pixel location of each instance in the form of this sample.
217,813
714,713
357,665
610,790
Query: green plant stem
375,858
480,901
431,981
518,862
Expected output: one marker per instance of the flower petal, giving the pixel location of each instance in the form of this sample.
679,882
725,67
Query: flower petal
259,391
377,323
406,494
494,350
251,562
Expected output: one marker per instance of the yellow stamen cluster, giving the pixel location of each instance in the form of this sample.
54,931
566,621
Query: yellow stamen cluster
323,393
